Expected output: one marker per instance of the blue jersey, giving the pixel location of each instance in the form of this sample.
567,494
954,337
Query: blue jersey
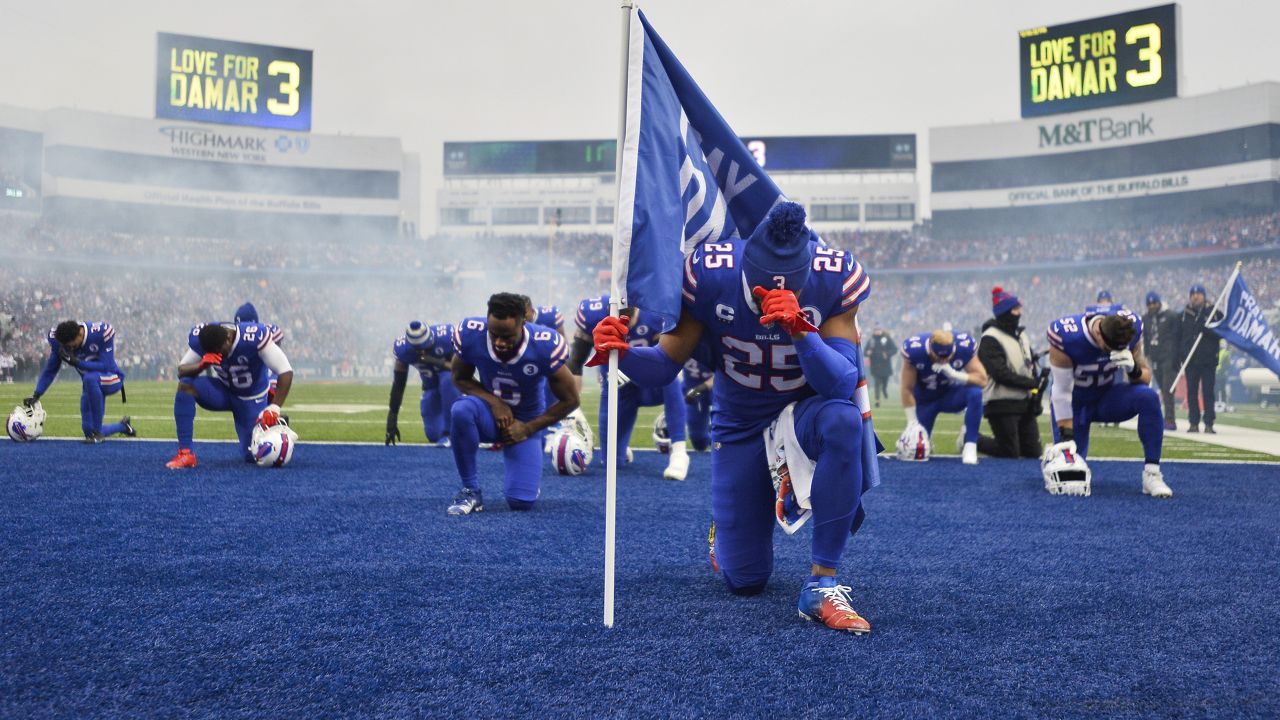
242,369
1093,366
549,316
644,331
757,372
96,354
929,383
518,381
440,348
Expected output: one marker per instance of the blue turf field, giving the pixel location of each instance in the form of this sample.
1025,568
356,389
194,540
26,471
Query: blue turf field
339,587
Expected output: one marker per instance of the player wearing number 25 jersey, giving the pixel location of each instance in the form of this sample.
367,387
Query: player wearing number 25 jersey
1100,375
512,357
242,356
756,304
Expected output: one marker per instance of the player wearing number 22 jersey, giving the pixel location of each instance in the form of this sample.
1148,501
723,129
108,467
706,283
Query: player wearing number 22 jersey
242,357
777,312
1100,375
511,357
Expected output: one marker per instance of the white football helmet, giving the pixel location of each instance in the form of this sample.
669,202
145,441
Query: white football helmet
273,446
26,423
914,444
570,454
1065,471
661,438
578,424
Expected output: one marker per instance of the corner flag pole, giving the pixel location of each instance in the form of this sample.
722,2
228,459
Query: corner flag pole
611,433
1217,306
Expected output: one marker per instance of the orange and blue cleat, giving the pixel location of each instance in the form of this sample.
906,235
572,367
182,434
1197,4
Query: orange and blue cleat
828,603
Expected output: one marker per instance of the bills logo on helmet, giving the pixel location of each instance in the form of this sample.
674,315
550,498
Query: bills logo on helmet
273,446
913,444
25,423
570,454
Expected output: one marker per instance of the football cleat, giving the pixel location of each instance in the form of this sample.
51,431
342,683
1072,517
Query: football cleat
631,457
1153,483
128,430
828,603
969,456
445,442
711,546
184,459
467,502
677,466
94,438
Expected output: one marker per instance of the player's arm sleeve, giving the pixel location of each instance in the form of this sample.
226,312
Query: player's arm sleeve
830,365
578,354
649,366
106,361
189,357
273,357
50,371
991,355
399,377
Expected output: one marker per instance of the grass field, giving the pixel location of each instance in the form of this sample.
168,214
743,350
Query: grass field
357,413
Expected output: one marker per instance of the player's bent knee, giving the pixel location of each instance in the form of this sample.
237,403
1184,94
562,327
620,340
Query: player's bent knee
519,505
841,422
745,587
464,410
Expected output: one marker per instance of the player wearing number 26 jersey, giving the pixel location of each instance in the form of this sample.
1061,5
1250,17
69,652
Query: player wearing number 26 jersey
1100,375
242,356
511,358
778,314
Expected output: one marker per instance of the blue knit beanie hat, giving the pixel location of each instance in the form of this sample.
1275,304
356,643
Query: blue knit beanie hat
779,247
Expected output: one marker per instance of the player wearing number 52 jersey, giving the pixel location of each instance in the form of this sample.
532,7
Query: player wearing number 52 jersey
1100,375
240,355
512,357
778,313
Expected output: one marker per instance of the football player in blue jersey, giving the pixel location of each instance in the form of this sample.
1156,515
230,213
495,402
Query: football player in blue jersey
247,313
240,355
89,347
941,373
1100,375
500,363
697,380
429,350
644,332
755,304
549,316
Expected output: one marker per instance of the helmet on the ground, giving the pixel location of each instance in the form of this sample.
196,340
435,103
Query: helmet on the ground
1065,470
661,438
273,446
913,444
570,454
25,423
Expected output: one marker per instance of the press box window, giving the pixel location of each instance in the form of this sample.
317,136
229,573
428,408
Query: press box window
890,211
843,211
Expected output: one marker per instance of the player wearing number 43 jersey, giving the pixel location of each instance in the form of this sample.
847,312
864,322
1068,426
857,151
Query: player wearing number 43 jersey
240,355
505,403
778,312
1100,375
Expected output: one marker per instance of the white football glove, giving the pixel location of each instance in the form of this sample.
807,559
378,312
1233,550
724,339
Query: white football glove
1123,359
959,376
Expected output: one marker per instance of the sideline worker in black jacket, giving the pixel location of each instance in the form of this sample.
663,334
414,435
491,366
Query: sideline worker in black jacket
1202,366
1015,382
880,352
1160,330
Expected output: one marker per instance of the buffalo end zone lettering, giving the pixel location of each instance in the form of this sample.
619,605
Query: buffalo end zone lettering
208,80
1125,58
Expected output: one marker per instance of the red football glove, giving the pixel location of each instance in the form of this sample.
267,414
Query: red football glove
270,416
610,334
781,306
210,359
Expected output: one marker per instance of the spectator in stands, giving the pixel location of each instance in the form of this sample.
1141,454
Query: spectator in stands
1011,399
1199,346
880,351
1160,328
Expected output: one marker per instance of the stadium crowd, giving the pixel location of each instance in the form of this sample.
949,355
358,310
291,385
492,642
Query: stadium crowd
340,305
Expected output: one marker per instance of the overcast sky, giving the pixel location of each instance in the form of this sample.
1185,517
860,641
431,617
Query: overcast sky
437,70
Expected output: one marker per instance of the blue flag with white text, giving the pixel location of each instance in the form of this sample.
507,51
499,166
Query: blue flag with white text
685,178
1243,325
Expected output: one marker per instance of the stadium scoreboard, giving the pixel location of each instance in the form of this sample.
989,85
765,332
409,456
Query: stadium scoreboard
1119,59
575,157
233,83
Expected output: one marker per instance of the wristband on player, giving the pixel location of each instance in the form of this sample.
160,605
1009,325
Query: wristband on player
911,415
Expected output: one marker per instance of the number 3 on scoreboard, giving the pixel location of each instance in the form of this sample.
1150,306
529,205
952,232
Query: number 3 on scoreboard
289,88
1149,54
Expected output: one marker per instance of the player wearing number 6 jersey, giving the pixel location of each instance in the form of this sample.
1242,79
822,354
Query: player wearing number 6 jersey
1100,375
240,355
753,303
512,357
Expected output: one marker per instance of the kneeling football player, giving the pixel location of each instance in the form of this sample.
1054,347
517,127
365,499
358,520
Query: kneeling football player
512,357
941,373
